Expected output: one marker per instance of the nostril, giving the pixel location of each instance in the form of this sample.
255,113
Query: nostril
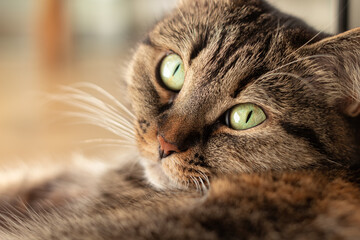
166,148
162,154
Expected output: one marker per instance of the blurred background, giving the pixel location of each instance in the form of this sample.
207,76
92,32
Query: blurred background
47,43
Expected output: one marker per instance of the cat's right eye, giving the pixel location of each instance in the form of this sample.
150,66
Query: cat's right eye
172,72
244,116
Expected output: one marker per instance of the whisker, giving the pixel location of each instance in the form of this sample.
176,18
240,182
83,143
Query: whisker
315,36
75,97
187,183
95,114
197,185
92,100
109,143
104,123
204,188
89,119
193,180
97,111
298,60
206,178
305,44
106,94
275,39
104,115
294,76
101,140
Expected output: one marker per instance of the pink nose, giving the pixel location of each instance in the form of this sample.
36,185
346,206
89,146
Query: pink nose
166,149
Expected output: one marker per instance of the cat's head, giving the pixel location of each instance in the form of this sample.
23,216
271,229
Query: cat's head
225,86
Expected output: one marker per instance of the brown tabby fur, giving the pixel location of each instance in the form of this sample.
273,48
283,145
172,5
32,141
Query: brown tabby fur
295,176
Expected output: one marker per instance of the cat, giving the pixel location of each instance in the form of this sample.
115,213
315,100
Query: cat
247,124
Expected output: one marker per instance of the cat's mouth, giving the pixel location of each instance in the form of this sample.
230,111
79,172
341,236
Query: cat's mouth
171,173
166,170
155,174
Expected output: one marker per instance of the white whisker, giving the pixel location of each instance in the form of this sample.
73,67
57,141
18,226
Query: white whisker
101,140
96,121
92,101
196,183
106,94
206,178
274,41
305,44
295,61
110,145
294,76
89,119
84,103
315,36
203,187
104,115
187,183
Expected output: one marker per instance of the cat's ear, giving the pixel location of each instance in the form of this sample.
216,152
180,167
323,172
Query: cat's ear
341,63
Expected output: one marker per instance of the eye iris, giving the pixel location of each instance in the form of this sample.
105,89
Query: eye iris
172,72
245,116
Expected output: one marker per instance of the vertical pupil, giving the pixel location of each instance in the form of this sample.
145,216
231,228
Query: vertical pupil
227,118
177,68
249,116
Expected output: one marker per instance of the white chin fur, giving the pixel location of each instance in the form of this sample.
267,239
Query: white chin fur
156,176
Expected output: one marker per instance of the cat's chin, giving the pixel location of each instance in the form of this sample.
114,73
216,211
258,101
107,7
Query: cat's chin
156,176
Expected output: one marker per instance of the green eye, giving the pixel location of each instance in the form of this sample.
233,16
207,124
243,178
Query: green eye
172,72
245,116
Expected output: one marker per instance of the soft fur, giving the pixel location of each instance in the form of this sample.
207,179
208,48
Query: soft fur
238,52
295,176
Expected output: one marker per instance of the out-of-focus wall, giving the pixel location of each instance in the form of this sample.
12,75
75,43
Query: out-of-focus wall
354,10
321,14
108,27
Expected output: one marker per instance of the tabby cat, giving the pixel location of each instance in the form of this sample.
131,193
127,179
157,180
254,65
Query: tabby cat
248,127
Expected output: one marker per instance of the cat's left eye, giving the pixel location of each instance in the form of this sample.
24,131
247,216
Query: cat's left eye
172,72
244,116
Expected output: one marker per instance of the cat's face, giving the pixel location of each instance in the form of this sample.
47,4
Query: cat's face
253,92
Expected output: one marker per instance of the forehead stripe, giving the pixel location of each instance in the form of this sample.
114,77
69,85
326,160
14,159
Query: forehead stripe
249,79
199,46
307,134
147,41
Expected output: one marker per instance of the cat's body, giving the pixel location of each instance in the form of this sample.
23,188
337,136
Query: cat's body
290,175
297,205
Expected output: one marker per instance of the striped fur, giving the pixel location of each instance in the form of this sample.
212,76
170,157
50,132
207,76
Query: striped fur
295,176
237,52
